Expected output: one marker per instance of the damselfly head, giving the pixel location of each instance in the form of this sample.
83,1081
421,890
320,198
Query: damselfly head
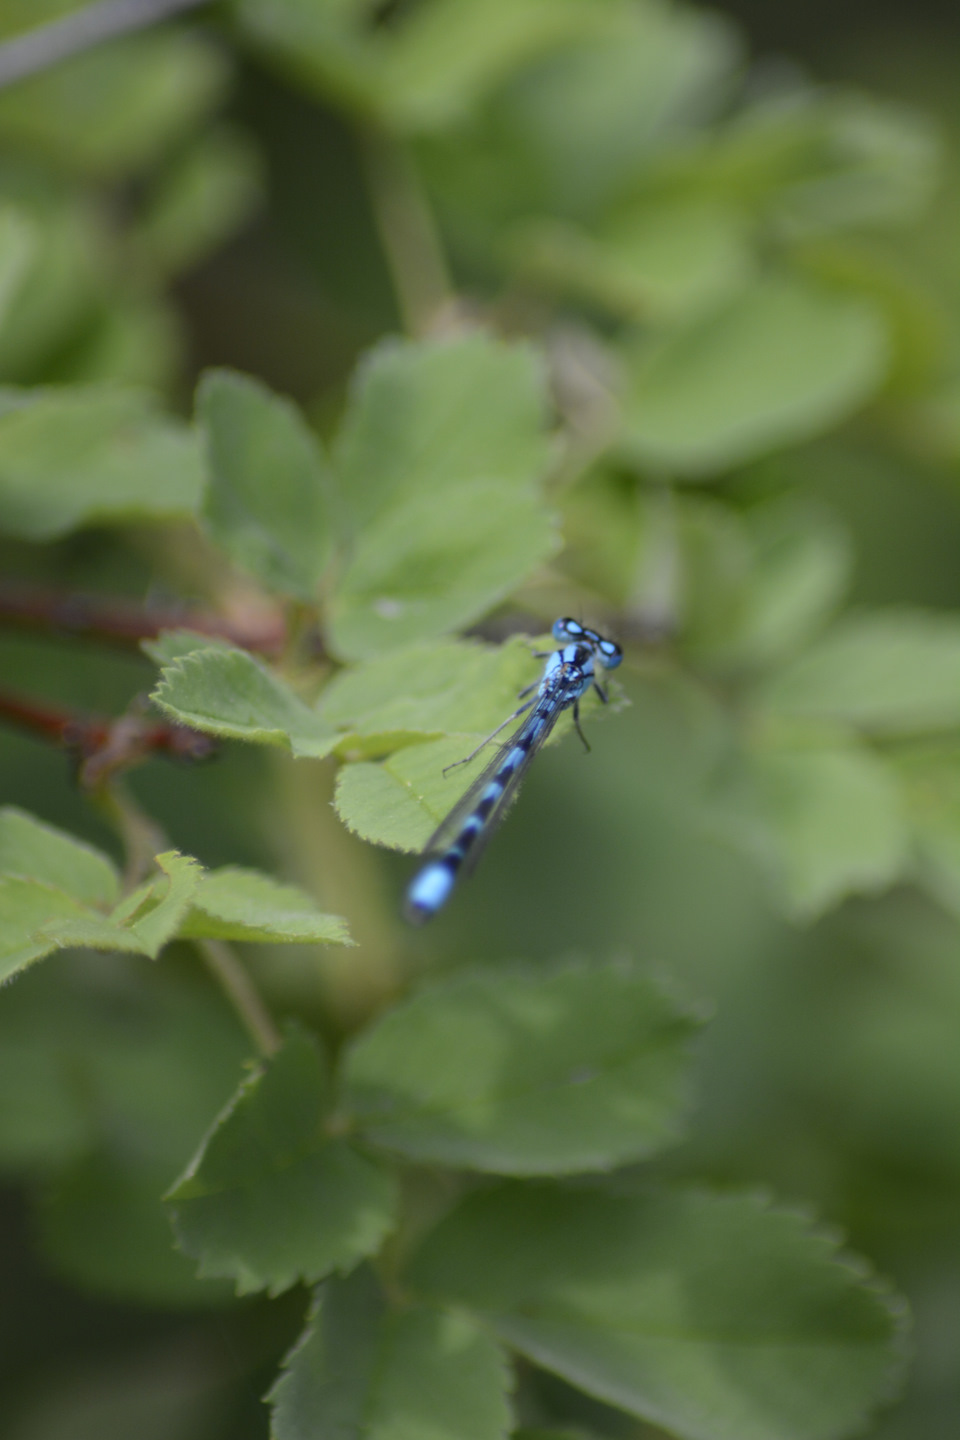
608,652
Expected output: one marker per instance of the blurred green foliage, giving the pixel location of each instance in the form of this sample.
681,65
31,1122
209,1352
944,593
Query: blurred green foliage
680,354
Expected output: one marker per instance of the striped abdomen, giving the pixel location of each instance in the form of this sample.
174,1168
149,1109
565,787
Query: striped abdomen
458,841
431,887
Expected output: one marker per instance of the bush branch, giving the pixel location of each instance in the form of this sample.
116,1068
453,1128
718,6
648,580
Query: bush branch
126,623
104,745
140,835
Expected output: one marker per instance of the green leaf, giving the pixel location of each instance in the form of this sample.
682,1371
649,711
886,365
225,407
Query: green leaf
325,1380
525,1073
712,557
755,586
836,824
35,851
94,1051
437,561
197,201
426,691
31,914
419,1373
273,1198
590,115
89,932
715,1317
60,288
427,69
814,162
802,560
39,917
321,42
56,909
18,240
235,904
663,260
99,454
448,54
383,804
893,672
135,341
113,109
158,917
400,802
441,1374
267,496
781,363
226,691
580,128
426,417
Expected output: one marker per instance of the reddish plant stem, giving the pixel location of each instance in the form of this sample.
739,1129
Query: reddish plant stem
125,623
104,746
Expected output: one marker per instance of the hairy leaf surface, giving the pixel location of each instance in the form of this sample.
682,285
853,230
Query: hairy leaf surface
524,1072
225,691
713,1316
272,1197
360,1370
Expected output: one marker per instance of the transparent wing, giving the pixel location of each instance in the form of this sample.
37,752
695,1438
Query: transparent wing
540,722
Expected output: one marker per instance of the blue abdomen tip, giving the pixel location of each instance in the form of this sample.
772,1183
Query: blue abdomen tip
429,890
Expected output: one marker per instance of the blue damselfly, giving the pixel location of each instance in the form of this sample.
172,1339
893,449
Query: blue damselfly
458,842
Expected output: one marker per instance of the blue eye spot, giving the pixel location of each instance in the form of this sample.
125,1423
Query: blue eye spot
610,654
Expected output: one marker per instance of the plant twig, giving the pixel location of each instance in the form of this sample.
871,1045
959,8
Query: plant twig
140,835
124,622
225,966
407,232
105,745
49,44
